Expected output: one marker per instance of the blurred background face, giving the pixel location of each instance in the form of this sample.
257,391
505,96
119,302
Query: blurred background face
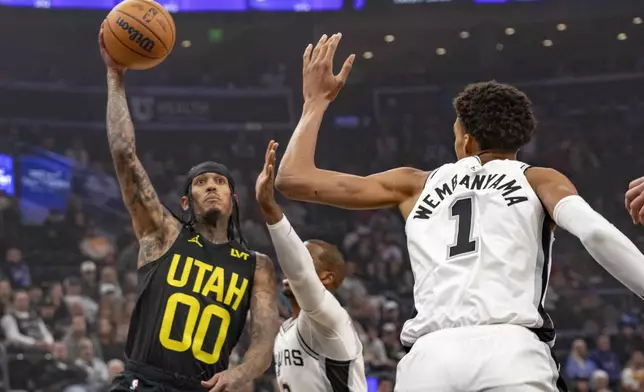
114,368
59,351
35,294
56,291
637,360
79,326
47,312
603,343
89,274
579,347
86,349
14,255
108,275
5,289
104,328
21,302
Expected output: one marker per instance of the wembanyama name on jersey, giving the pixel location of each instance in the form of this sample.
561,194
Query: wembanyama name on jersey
508,187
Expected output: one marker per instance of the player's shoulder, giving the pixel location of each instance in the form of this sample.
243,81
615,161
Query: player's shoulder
406,177
537,175
263,262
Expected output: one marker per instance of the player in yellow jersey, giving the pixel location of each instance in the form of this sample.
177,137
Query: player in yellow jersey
197,278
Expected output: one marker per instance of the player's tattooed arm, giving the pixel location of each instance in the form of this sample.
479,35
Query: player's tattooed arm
155,227
264,320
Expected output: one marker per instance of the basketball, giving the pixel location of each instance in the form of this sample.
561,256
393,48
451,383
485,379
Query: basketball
139,34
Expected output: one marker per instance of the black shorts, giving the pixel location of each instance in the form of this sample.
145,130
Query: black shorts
138,377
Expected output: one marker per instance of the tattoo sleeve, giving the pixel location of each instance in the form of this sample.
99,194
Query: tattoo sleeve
140,198
264,319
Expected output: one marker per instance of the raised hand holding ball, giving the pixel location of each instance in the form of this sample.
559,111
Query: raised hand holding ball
137,34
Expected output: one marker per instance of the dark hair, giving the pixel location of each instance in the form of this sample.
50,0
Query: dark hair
234,224
331,259
498,116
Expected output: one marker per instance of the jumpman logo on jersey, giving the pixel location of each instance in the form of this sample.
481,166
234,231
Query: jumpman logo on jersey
195,240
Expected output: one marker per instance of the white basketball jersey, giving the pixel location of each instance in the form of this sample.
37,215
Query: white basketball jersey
303,361
479,244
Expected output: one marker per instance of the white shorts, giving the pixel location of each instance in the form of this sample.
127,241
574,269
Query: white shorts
489,358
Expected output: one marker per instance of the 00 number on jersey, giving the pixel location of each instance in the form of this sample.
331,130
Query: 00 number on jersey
197,318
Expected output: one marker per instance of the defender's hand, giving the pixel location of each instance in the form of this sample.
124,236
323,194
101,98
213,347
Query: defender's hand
319,82
109,62
265,186
230,380
634,200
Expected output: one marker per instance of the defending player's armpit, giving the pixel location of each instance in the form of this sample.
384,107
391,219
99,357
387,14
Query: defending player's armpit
297,265
612,249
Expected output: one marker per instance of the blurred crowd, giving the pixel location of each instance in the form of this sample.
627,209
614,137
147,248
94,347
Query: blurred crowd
68,284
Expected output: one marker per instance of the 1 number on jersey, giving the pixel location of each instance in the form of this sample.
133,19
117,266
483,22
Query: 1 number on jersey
196,318
462,211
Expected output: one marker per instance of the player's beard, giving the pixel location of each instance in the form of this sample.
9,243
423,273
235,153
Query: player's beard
211,217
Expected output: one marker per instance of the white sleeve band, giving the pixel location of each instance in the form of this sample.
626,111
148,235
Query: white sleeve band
605,243
297,264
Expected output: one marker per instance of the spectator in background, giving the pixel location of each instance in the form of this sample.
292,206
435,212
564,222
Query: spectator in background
386,384
628,340
351,286
600,381
95,367
580,384
73,296
57,234
74,337
48,315
390,312
16,270
579,366
109,282
605,359
89,281
95,245
77,153
5,296
114,368
374,351
633,373
35,295
24,328
62,315
391,339
61,374
106,338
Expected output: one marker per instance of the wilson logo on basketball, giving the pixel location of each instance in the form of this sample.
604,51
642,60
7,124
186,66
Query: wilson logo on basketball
135,35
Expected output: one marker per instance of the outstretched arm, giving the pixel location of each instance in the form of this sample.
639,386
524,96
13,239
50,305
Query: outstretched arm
298,178
153,226
605,243
138,193
293,256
